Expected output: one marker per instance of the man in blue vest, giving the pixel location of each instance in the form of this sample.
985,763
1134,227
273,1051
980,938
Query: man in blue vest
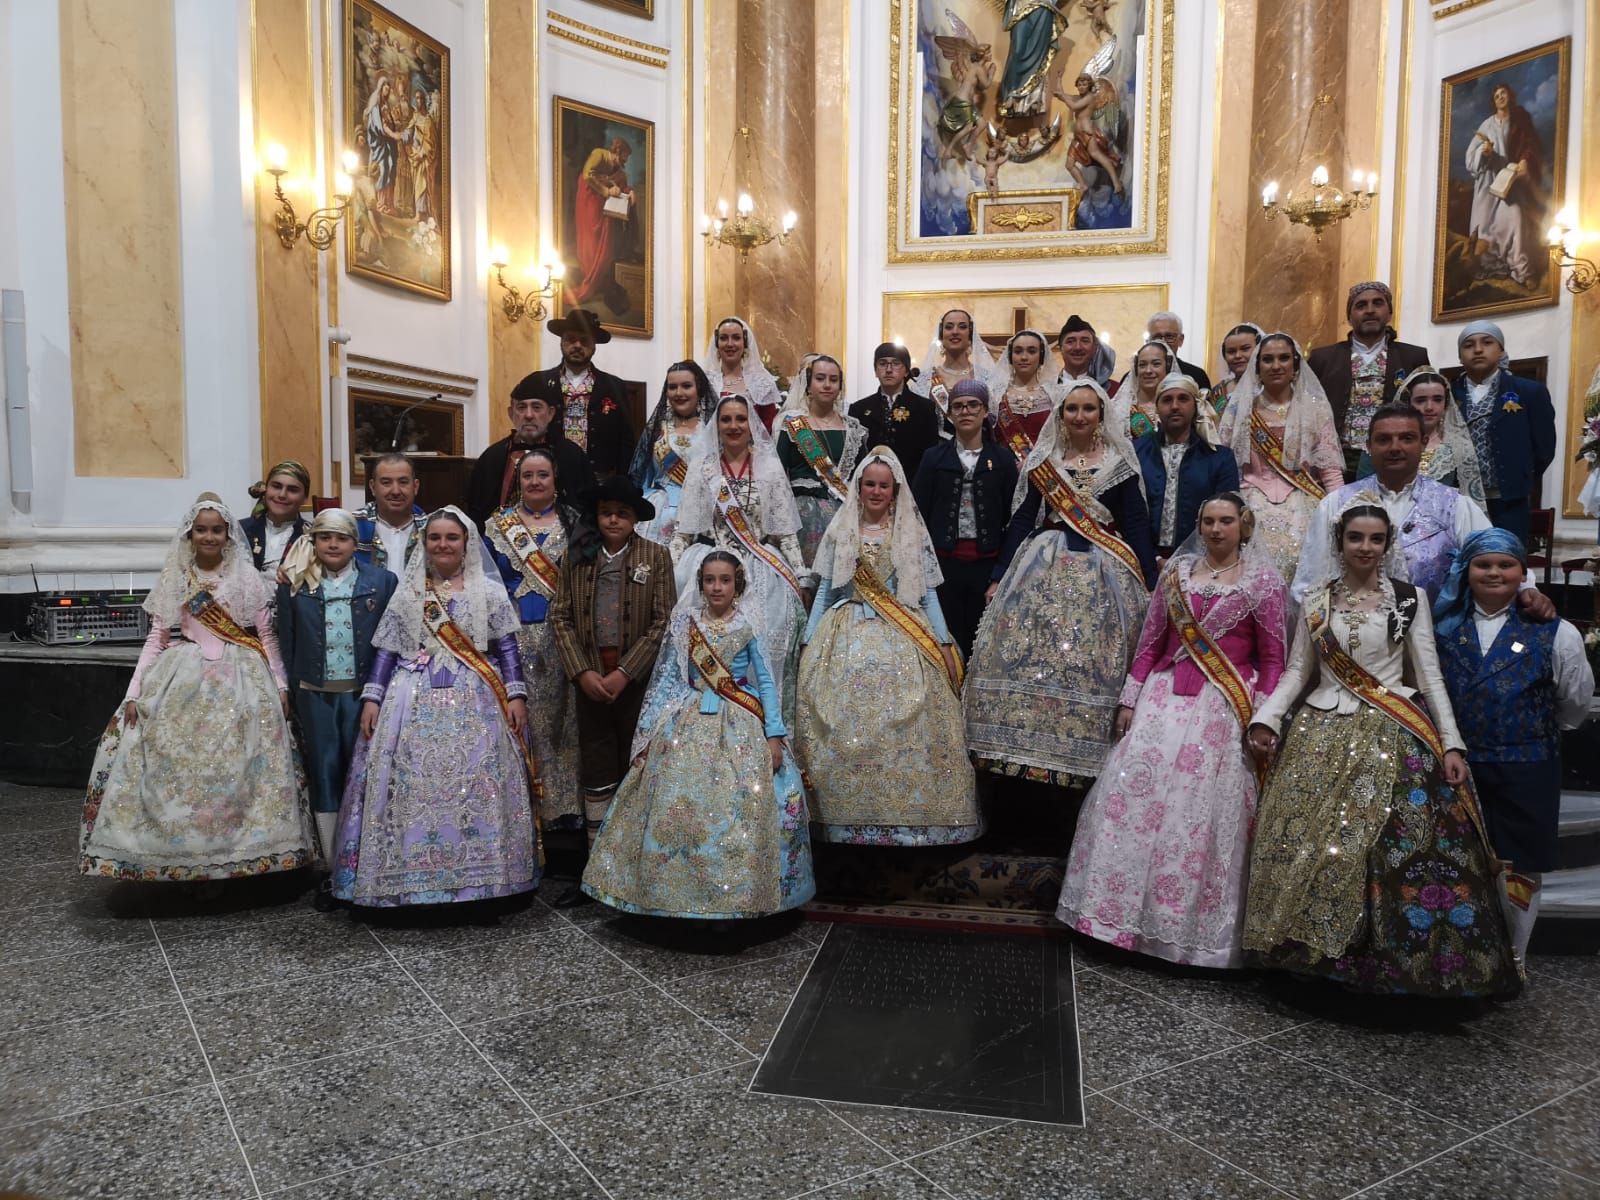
1514,684
389,526
1512,423
1182,466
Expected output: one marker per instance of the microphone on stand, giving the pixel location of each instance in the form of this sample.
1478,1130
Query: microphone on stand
400,421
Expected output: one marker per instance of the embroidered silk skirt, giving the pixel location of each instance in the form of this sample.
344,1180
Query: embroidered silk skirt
436,808
664,524
1159,860
816,514
552,727
205,784
1368,869
1049,661
703,828
880,736
1280,526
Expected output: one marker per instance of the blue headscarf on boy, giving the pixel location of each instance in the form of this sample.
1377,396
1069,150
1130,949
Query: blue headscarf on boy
1454,605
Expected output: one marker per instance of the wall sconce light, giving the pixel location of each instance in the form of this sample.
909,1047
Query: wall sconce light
1563,240
320,226
515,304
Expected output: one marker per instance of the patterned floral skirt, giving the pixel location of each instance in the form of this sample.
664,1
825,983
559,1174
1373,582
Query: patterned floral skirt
1049,661
703,828
206,784
552,727
664,524
436,807
1163,843
1368,868
816,514
879,734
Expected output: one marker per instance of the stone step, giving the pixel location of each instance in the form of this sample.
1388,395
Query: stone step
1571,895
1580,829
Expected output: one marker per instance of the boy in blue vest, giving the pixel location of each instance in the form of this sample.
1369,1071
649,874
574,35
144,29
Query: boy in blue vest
1514,684
327,613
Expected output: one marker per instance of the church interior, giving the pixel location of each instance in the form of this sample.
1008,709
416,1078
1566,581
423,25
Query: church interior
242,240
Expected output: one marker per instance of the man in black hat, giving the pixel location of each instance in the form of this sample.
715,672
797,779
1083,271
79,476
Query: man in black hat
594,412
1083,354
894,415
535,406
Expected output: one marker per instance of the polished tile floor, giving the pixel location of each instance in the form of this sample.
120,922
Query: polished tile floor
154,1046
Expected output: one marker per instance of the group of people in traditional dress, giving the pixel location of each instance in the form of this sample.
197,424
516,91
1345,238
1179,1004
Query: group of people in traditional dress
1317,720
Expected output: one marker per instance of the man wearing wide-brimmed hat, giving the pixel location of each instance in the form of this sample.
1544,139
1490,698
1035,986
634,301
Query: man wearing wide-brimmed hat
594,413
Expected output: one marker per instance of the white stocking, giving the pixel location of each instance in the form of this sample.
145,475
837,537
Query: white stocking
595,806
1520,918
326,823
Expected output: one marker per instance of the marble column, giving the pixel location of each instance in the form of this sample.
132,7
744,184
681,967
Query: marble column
119,134
1291,277
774,287
511,134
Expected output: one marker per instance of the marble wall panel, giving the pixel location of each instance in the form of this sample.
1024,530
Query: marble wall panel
1234,192
124,237
287,280
1585,346
513,170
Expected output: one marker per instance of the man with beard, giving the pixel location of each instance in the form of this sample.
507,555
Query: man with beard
1360,374
535,405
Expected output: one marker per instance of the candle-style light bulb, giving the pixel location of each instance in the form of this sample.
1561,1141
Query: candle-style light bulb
790,220
746,205
558,270
342,185
1319,176
351,161
499,255
722,209
277,157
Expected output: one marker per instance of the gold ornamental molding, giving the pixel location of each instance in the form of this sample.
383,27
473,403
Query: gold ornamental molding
364,361
1441,11
398,374
567,28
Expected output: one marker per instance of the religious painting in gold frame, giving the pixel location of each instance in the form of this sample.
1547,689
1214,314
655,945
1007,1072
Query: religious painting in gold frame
397,120
637,8
385,421
1119,313
1502,176
604,189
1017,132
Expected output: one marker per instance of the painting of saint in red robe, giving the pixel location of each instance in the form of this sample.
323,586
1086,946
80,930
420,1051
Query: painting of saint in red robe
604,180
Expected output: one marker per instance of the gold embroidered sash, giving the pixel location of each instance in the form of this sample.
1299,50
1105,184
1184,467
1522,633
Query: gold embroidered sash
1216,666
672,465
1063,499
814,450
1271,448
204,608
1013,431
887,605
454,639
739,523
716,673
532,561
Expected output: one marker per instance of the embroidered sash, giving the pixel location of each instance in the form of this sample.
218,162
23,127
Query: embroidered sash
739,523
1271,449
716,673
814,450
204,608
532,561
1014,432
1066,504
454,639
673,466
1403,711
887,605
1216,666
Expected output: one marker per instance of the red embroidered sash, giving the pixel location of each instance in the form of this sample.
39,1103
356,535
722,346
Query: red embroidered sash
1013,431
454,639
716,673
1216,666
533,562
1271,448
1064,501
739,523
814,450
887,605
204,608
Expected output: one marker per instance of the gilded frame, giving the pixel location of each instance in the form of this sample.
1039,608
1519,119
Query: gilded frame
564,203
1444,310
643,9
354,106
1147,237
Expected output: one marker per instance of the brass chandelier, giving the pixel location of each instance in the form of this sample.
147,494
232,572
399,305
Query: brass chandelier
746,228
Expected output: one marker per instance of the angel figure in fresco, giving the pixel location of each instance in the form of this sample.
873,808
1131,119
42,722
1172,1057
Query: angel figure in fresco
1095,11
1092,133
421,152
972,72
996,156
